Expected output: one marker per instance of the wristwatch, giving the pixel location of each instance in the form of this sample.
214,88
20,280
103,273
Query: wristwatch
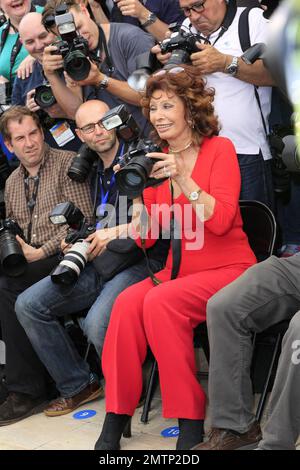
104,83
232,68
194,195
150,20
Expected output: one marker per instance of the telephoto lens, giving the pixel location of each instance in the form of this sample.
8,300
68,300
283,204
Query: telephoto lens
82,164
44,97
12,259
69,269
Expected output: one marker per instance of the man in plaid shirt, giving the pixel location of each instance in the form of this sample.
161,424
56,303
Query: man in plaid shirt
31,192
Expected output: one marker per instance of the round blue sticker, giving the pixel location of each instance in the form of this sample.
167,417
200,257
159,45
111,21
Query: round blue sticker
84,414
170,432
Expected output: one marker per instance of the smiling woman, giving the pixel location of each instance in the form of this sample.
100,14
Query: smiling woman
12,53
202,201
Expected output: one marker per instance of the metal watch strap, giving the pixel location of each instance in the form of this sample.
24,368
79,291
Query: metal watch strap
150,20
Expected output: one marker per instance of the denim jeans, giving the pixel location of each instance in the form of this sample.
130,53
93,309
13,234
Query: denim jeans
257,183
288,212
39,307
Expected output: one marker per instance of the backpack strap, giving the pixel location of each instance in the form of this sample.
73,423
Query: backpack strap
244,33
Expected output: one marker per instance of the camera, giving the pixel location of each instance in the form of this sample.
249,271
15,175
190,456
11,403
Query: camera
82,164
133,177
44,97
12,259
69,269
181,44
72,47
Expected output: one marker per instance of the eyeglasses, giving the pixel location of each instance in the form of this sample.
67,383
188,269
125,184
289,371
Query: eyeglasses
173,71
89,128
197,7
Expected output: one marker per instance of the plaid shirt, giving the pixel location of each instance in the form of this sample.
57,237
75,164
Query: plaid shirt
54,187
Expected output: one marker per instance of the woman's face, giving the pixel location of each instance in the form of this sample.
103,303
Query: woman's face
167,115
15,9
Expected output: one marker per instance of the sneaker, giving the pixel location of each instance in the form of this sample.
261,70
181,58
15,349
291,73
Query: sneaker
63,406
225,439
18,406
289,250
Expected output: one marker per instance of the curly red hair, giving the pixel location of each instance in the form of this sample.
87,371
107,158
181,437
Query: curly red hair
191,88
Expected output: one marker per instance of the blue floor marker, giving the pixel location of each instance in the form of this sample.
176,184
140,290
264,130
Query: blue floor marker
84,414
170,432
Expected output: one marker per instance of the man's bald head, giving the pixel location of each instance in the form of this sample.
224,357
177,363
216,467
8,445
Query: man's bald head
33,35
89,129
90,110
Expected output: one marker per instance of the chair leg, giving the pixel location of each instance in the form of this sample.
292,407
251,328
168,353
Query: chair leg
263,397
150,392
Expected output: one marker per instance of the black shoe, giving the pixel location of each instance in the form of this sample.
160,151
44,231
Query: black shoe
3,392
18,406
191,432
113,427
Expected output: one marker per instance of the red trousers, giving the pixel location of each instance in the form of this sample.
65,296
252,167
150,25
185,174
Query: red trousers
164,317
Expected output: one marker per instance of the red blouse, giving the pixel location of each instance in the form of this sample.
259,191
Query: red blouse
221,241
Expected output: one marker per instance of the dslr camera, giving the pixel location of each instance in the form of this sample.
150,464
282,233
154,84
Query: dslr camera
181,44
73,47
12,259
44,97
133,177
69,269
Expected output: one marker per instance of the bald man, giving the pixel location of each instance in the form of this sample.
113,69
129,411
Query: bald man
40,307
58,129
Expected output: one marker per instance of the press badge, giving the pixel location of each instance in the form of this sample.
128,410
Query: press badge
62,133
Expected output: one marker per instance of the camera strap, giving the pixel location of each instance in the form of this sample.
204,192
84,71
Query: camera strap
31,199
102,45
175,236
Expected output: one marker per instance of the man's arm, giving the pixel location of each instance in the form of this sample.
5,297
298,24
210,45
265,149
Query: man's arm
209,60
66,99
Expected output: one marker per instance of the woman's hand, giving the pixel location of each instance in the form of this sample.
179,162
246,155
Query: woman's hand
25,67
168,165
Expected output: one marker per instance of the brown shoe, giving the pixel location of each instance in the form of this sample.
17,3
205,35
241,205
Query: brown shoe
224,439
62,406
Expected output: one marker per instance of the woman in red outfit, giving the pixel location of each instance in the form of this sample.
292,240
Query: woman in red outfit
203,187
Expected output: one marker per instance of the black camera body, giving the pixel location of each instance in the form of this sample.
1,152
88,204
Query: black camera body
181,44
12,258
72,264
44,96
73,47
133,177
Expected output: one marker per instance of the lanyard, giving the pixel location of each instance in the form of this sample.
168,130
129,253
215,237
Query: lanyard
31,199
228,19
104,196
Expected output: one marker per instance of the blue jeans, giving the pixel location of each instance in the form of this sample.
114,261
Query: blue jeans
39,307
288,212
257,182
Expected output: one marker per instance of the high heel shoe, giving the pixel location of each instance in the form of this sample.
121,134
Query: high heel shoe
191,432
114,427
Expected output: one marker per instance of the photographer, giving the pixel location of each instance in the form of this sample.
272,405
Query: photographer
216,21
40,307
59,132
32,190
113,46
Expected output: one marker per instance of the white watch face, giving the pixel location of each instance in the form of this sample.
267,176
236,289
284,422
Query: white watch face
194,196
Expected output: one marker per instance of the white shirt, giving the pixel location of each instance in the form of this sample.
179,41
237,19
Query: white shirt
235,102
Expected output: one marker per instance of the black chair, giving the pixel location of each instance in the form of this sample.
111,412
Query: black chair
260,226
